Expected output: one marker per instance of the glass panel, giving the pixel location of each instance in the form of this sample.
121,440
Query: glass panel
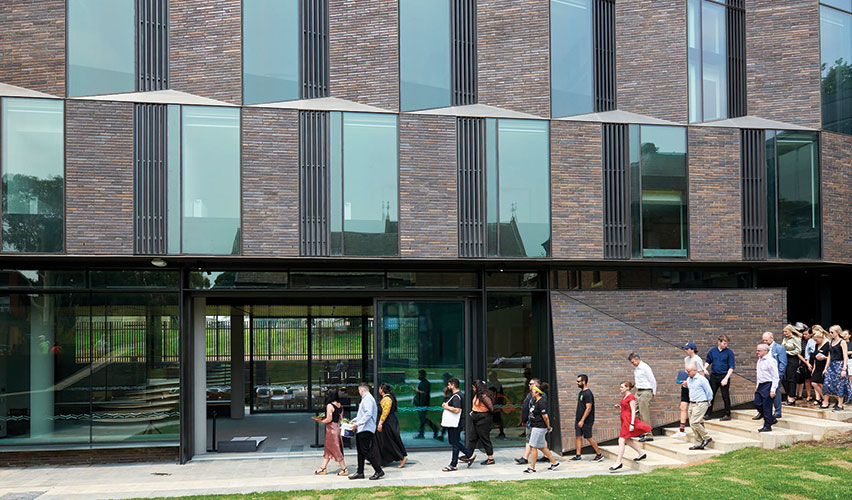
571,57
33,166
424,54
136,386
840,4
771,196
211,180
270,50
714,56
134,279
206,280
45,369
336,358
524,198
173,167
432,280
16,278
337,280
280,359
836,60
370,184
491,189
336,179
421,345
101,47
635,191
512,280
664,216
693,30
798,196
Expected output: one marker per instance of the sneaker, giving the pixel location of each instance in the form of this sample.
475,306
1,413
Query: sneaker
725,418
521,461
553,466
529,470
679,434
598,458
576,458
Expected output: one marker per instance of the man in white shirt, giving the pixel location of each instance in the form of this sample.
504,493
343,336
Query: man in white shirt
646,389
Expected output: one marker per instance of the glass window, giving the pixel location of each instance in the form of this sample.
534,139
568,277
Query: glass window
571,57
707,60
836,63
840,4
33,165
211,180
424,54
20,278
798,195
270,50
134,279
173,180
101,47
432,280
491,189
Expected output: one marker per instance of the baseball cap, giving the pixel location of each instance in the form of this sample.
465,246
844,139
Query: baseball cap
690,345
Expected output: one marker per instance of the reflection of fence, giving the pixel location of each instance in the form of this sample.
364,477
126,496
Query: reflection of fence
126,341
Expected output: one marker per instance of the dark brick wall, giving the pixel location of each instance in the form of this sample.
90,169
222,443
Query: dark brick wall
428,187
576,190
650,39
513,52
99,178
783,61
270,182
41,458
32,45
837,203
364,51
205,48
595,331
715,200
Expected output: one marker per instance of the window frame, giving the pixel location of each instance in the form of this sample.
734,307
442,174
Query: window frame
822,4
700,118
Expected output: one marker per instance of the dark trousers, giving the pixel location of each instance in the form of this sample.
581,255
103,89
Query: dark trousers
454,437
791,375
715,385
424,421
367,449
763,403
480,435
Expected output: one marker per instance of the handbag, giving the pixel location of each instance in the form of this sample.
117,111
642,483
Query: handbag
448,418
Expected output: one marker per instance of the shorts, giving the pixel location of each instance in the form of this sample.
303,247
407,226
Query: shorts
527,433
684,395
537,437
585,431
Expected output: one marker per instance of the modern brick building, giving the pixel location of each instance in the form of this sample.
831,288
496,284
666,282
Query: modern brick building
219,210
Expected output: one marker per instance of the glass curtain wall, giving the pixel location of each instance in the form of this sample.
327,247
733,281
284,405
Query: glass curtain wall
270,50
707,60
101,46
32,161
424,54
836,64
571,50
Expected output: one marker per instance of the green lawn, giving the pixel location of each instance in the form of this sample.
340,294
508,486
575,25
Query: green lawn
797,473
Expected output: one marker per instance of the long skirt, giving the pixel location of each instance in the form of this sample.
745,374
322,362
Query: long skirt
390,442
835,383
333,449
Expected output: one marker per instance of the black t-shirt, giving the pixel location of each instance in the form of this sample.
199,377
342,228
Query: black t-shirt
422,398
583,399
456,400
537,411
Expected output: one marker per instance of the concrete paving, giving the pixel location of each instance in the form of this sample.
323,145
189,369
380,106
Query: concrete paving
224,475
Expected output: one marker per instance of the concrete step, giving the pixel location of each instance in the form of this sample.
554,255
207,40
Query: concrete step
748,428
678,449
722,441
814,412
654,460
818,427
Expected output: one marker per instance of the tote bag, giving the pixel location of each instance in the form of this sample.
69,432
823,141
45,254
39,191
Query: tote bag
448,418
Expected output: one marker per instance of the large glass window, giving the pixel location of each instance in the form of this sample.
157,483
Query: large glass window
33,165
571,68
270,50
424,54
707,61
101,47
211,180
836,64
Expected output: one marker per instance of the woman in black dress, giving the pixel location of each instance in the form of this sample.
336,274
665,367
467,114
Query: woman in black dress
387,435
818,359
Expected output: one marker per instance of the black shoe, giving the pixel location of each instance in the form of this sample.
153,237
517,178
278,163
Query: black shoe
357,475
706,442
487,461
641,457
521,461
377,475
501,435
553,466
725,418
615,468
699,446
757,417
598,458
645,439
765,429
576,458
529,470
469,460
438,437
837,408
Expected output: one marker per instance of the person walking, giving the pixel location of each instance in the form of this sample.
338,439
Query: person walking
525,414
631,426
793,345
700,397
805,387
390,444
451,420
423,400
539,429
836,382
720,365
646,389
364,426
765,389
692,359
585,419
480,435
779,354
333,445
819,357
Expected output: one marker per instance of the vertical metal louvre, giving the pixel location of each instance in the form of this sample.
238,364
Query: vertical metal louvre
152,58
736,58
150,190
754,194
314,184
463,22
604,71
616,172
471,164
314,64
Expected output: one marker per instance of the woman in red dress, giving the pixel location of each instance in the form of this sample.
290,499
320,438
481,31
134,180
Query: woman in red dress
631,426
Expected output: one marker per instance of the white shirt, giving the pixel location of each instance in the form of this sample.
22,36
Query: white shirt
644,377
695,361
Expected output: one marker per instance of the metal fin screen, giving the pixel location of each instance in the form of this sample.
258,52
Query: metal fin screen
736,58
150,178
754,194
314,184
471,165
314,61
152,59
616,191
463,23
604,71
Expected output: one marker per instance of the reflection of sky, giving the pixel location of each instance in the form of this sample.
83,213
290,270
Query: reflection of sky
369,170
101,34
667,139
32,137
271,44
425,53
211,162
571,56
836,37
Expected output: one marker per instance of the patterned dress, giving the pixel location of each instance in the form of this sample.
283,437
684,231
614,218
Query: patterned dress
836,383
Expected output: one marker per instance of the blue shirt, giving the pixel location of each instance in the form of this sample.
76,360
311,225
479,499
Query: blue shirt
699,389
720,361
809,349
366,417
779,353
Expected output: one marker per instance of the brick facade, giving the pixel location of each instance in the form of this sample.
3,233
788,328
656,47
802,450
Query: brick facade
364,51
99,178
32,45
428,187
715,194
270,182
576,180
205,48
595,331
650,57
783,60
513,52
837,203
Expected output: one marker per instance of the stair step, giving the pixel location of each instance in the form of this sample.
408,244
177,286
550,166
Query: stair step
818,427
749,429
678,449
654,460
814,412
722,441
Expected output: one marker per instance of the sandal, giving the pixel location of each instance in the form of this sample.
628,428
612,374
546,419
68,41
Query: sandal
824,407
343,472
320,472
449,468
402,462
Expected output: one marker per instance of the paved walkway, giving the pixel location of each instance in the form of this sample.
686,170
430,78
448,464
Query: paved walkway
223,476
